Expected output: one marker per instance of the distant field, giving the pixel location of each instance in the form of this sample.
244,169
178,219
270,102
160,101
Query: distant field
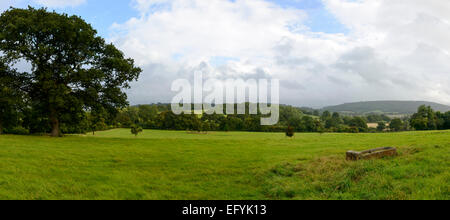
375,125
235,165
372,125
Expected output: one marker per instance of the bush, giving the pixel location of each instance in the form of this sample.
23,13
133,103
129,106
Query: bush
18,131
136,130
353,129
290,132
372,130
73,129
274,128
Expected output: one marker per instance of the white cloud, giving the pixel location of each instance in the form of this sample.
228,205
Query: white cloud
394,50
198,30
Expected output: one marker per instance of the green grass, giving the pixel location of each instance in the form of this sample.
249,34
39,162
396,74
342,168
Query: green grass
177,165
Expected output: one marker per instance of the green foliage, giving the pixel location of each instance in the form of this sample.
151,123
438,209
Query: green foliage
308,124
17,131
353,129
375,118
96,121
359,123
381,126
316,113
290,132
333,121
446,118
12,97
290,116
159,116
325,116
136,130
396,125
424,119
72,68
319,126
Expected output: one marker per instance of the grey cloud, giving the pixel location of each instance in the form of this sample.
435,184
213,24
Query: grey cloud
292,85
154,85
363,62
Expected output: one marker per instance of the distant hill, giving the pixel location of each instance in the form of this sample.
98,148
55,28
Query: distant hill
393,107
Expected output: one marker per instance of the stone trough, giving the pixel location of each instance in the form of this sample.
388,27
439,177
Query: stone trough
372,154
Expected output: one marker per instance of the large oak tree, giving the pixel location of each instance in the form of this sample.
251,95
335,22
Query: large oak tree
73,69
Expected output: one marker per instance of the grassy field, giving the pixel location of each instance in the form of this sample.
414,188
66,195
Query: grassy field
177,165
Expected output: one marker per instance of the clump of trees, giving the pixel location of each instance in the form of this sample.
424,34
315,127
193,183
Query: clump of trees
381,126
76,79
396,125
427,119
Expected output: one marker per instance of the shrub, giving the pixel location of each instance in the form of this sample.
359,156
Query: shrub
381,126
18,131
290,132
353,129
136,130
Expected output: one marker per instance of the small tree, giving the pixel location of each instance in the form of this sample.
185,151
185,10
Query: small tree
396,125
319,127
381,126
424,119
290,132
325,116
353,129
136,130
96,122
360,123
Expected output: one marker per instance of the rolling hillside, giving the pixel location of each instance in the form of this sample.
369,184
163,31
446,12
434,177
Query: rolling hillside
399,107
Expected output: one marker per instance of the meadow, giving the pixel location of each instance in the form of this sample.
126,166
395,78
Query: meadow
223,165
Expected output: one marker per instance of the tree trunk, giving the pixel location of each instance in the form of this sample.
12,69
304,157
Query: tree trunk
1,128
56,132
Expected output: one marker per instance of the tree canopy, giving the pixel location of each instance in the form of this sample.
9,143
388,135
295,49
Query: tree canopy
396,124
424,119
73,69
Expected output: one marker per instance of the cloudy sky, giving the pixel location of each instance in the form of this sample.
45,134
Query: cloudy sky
324,52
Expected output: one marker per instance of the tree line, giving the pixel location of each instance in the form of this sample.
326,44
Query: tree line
161,117
300,120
